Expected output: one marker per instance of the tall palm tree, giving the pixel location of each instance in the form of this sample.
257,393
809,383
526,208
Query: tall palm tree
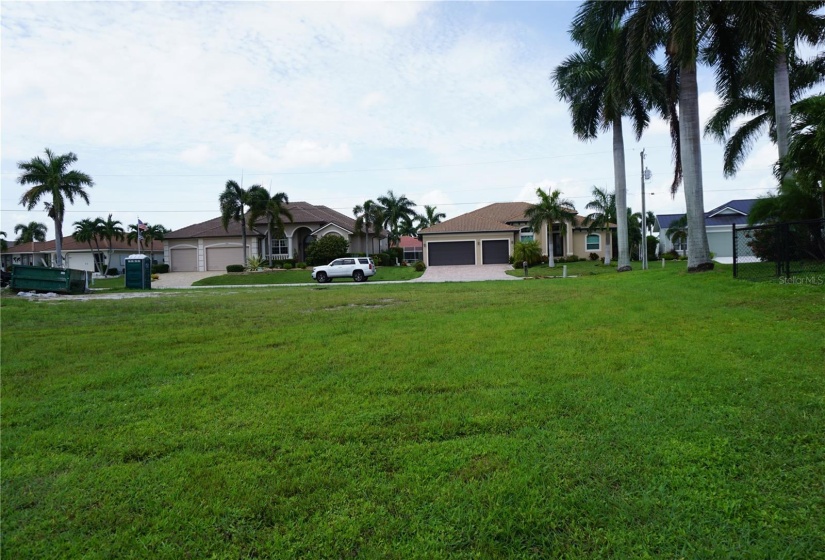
86,231
51,179
650,222
234,202
149,235
408,228
29,233
110,230
396,209
806,153
551,209
678,231
4,246
369,214
634,231
430,217
274,209
755,101
604,213
594,84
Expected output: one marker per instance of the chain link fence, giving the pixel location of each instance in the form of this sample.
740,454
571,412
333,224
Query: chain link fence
792,252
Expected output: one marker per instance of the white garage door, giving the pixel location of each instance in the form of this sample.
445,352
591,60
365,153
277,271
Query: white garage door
184,260
218,258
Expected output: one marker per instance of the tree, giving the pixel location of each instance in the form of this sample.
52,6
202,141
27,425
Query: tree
550,209
234,202
634,231
529,251
678,231
274,209
110,230
650,222
51,179
430,217
806,153
407,227
368,215
149,235
326,249
395,210
29,233
604,213
594,84
85,231
4,246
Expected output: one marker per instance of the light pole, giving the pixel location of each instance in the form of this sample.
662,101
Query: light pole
645,175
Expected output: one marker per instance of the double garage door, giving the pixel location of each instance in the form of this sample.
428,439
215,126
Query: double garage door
217,258
449,253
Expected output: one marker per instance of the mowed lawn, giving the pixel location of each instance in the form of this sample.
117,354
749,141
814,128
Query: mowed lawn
648,414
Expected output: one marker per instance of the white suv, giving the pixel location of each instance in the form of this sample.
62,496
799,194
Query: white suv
357,268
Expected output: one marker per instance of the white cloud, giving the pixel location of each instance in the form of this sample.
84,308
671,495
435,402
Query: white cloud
196,155
373,99
300,153
248,156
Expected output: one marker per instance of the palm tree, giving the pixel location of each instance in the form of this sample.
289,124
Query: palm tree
395,210
634,231
594,84
806,153
366,215
604,213
274,209
408,227
430,217
234,202
86,231
678,231
550,209
4,246
29,233
51,178
650,222
110,230
755,101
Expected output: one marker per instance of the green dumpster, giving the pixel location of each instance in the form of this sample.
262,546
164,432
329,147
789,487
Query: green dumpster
43,279
138,272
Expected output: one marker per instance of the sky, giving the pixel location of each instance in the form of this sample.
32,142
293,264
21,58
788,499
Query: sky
333,103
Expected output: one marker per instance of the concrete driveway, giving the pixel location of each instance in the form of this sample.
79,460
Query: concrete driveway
182,279
466,273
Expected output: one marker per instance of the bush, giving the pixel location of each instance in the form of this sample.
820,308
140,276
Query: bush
668,256
288,266
155,277
396,254
301,265
382,259
111,271
593,257
160,268
356,254
527,251
326,249
254,262
545,259
573,258
420,267
234,268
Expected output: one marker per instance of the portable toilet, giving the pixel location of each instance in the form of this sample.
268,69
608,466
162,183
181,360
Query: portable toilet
138,272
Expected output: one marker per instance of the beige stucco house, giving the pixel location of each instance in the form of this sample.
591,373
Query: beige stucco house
487,236
76,255
208,246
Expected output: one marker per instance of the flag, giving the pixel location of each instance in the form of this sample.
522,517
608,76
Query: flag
141,225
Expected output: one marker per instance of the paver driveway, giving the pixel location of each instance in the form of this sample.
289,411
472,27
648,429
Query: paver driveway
466,273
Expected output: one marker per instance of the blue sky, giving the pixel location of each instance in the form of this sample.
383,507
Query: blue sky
333,103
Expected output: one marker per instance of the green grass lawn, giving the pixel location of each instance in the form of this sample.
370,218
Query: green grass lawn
296,276
590,268
649,414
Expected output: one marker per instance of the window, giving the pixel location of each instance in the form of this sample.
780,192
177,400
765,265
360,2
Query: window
680,245
592,242
280,247
349,261
526,234
413,254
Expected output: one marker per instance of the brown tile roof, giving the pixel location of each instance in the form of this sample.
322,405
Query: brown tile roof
495,217
410,242
69,244
302,213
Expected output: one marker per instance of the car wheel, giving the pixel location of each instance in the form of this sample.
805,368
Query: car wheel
321,277
358,276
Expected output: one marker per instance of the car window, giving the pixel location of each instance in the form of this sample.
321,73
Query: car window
336,262
364,261
349,261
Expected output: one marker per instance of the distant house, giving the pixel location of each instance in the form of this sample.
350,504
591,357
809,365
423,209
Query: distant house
719,223
75,255
487,236
208,246
413,248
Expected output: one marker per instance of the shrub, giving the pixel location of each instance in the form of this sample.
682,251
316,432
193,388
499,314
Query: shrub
593,257
234,268
111,271
396,254
545,259
288,266
668,256
420,267
573,258
160,268
527,251
155,277
301,265
254,262
326,249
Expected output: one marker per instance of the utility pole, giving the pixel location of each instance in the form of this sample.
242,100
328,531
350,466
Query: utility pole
645,175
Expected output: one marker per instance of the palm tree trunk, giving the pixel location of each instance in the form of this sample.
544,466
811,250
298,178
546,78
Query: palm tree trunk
367,244
243,235
550,260
690,134
620,181
782,103
58,242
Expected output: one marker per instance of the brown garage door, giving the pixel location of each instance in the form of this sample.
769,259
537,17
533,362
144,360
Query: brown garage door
447,253
495,252
218,258
184,260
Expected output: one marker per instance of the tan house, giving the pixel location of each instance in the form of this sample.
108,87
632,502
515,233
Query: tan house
487,236
76,255
208,246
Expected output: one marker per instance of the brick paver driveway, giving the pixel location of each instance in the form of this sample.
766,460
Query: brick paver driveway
466,273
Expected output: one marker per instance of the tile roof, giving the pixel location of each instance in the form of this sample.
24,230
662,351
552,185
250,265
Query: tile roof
744,206
495,217
69,244
302,213
409,242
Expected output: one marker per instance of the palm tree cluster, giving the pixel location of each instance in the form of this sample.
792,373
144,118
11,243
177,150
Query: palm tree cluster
615,76
394,214
248,206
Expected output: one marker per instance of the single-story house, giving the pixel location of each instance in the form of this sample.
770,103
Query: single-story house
208,246
487,236
413,248
719,224
76,255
